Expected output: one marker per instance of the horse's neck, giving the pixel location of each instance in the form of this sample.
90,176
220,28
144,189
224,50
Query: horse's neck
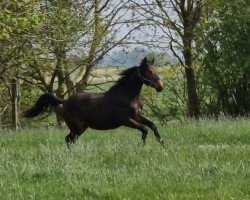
133,88
129,89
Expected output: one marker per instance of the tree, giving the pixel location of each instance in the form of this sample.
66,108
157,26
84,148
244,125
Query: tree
18,21
73,38
178,20
226,56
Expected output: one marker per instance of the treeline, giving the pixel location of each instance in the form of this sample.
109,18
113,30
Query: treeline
53,46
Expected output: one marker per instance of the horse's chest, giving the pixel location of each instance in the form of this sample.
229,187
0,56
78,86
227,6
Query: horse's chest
134,108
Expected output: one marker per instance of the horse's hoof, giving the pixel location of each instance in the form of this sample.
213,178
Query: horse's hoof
69,145
161,142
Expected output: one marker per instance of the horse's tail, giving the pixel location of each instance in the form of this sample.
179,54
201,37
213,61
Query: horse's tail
42,104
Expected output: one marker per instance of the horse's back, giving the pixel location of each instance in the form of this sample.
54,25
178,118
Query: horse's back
84,96
81,102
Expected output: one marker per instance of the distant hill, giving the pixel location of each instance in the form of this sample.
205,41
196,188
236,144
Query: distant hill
132,57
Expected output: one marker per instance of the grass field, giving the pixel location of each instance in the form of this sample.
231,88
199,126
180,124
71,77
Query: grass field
204,160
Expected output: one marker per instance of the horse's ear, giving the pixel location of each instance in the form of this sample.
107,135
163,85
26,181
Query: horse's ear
144,61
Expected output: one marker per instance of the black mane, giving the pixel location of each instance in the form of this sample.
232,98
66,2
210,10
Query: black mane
124,77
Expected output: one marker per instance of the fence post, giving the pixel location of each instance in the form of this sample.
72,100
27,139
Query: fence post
14,101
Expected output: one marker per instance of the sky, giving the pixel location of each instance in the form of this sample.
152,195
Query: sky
131,54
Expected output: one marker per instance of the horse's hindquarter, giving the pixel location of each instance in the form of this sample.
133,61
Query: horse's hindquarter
98,111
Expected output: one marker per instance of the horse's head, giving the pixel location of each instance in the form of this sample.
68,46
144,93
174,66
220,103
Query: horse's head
148,74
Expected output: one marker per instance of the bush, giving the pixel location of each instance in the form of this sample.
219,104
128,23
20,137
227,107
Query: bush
171,102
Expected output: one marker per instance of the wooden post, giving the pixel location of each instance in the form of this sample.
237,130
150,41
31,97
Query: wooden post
1,115
14,100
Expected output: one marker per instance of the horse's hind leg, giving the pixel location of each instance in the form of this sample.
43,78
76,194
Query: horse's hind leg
72,137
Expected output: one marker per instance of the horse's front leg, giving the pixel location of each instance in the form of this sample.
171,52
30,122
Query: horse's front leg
134,124
152,126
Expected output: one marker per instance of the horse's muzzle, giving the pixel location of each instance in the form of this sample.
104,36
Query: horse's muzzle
158,85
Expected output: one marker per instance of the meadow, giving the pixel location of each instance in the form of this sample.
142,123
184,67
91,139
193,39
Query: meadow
200,160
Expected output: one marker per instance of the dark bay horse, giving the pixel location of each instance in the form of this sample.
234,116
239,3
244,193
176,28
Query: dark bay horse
119,106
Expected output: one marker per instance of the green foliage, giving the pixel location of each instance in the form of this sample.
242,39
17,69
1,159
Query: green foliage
17,22
227,61
63,23
205,160
171,102
17,18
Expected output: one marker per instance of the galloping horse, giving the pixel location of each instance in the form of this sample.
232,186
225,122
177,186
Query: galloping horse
119,106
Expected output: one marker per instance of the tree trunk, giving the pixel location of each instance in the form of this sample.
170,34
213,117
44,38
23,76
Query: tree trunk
81,86
61,55
193,100
15,102
69,85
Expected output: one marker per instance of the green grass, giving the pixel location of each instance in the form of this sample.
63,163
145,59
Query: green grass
204,160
